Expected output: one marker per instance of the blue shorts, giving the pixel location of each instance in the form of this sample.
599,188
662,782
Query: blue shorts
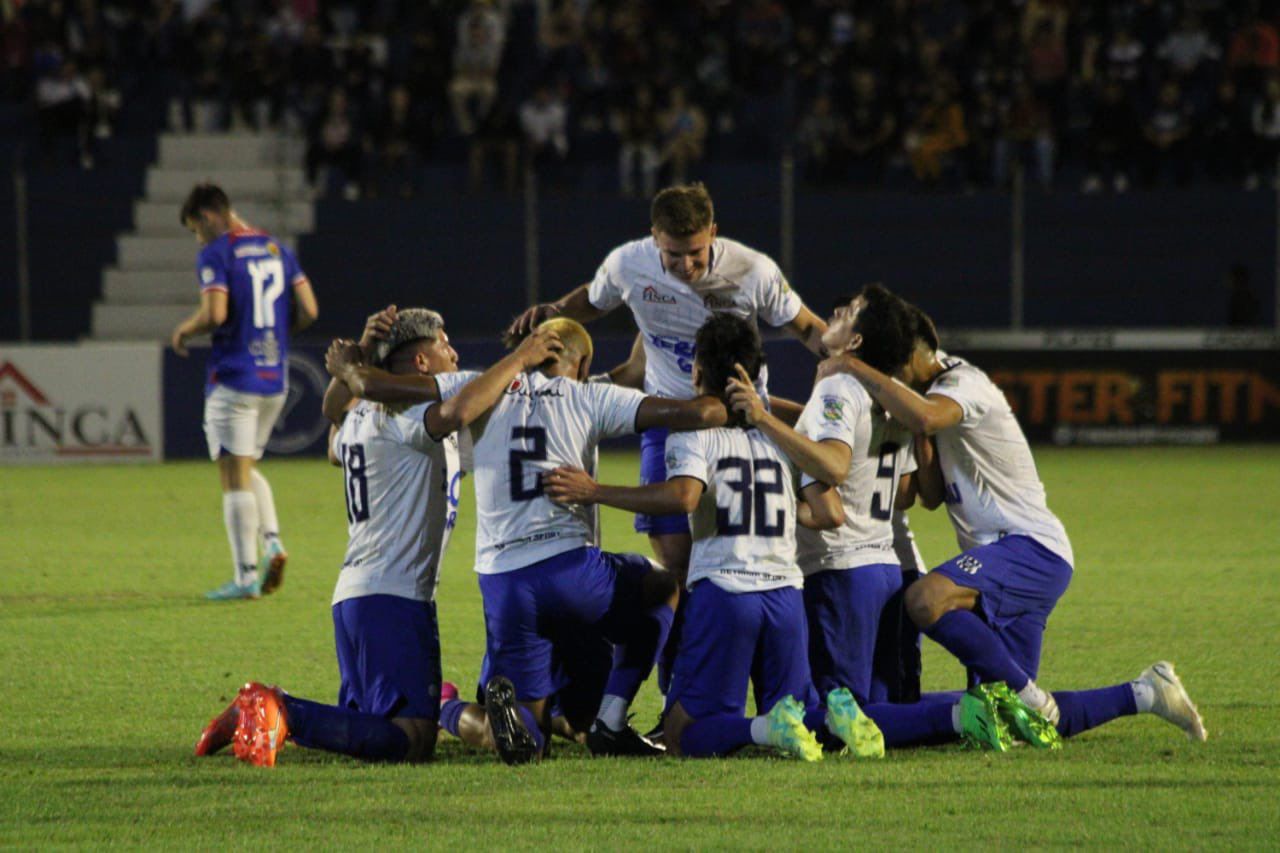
528,610
653,469
895,677
843,608
388,656
731,638
581,660
1019,581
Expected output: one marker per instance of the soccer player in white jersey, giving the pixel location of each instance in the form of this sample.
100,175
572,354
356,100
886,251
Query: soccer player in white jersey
990,605
402,470
253,295
673,280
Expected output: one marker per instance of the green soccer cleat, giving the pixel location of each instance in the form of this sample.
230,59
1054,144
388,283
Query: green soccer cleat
232,591
787,731
862,737
980,723
1024,722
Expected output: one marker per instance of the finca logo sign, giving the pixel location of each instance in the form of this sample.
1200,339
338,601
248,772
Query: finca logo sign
34,424
652,294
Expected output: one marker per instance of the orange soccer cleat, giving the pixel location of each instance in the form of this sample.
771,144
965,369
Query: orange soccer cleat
220,731
263,724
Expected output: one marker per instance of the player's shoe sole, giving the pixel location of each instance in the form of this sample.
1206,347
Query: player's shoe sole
980,723
220,731
271,569
788,733
1172,702
601,740
263,725
514,741
232,591
1023,721
861,736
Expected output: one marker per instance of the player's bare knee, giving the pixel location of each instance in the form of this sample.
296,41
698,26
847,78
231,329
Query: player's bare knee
674,723
422,737
925,603
660,587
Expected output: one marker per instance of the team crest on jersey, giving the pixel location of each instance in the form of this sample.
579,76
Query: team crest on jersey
832,408
672,458
715,301
515,386
273,249
651,294
206,275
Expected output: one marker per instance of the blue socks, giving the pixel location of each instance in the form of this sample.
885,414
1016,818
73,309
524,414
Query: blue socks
966,636
919,724
1081,710
450,713
716,736
633,660
344,731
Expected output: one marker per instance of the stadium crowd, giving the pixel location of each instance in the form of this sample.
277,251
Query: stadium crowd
954,92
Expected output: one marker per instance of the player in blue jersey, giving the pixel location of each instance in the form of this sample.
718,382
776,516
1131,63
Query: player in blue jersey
253,295
990,605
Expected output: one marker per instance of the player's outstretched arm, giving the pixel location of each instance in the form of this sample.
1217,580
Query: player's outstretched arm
575,486
825,461
917,413
705,412
575,305
788,411
211,314
819,507
305,308
480,394
808,328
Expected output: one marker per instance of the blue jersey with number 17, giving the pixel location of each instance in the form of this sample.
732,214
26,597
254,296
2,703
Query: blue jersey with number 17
258,274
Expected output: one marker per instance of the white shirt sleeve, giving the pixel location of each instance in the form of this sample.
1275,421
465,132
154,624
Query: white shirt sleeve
968,387
779,304
686,456
613,408
833,410
605,290
413,428
451,383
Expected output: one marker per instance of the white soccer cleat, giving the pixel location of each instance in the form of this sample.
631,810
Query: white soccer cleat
1171,700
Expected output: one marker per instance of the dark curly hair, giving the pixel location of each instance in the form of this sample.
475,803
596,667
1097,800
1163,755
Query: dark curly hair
205,196
723,341
926,332
888,329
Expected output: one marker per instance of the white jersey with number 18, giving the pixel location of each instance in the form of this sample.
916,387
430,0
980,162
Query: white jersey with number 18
539,424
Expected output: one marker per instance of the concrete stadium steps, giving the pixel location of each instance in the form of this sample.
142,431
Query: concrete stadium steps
138,322
160,219
240,183
152,286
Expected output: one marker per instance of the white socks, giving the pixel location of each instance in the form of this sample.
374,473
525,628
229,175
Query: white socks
1144,697
240,515
1033,695
955,719
267,521
760,731
613,712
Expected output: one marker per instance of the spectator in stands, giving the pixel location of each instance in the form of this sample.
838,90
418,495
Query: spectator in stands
497,136
1243,306
1225,135
1026,133
821,142
544,121
639,135
684,135
476,57
335,143
1265,138
1111,137
1167,137
312,74
1189,50
1254,52
209,81
1124,55
937,133
103,104
560,37
1047,68
871,128
62,110
399,138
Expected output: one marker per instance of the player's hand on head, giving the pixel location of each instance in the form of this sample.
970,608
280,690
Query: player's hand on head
538,347
377,327
342,355
569,486
743,397
838,363
529,320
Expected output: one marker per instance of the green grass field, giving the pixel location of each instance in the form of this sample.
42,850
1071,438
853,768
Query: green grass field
113,662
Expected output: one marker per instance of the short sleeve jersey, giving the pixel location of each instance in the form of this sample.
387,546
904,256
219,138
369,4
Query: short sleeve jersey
402,492
992,486
840,409
669,312
258,274
540,424
744,525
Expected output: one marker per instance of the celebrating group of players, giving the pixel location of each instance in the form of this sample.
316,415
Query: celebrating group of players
784,562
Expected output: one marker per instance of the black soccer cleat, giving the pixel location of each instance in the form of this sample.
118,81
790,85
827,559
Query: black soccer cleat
602,740
513,739
656,733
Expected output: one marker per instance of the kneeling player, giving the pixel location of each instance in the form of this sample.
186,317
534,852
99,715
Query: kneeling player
401,467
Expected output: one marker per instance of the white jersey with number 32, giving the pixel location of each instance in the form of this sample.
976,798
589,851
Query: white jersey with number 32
540,423
402,490
744,525
992,486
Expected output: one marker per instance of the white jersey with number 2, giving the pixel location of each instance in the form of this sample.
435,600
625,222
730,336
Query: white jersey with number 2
539,424
992,486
